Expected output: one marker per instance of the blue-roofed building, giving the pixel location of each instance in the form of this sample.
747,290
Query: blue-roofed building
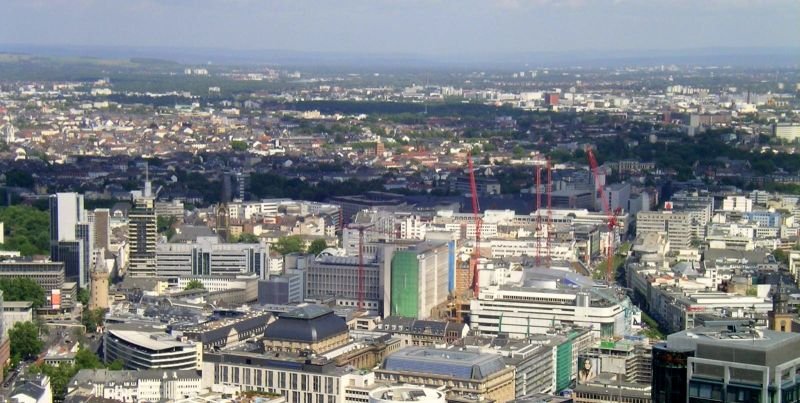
462,373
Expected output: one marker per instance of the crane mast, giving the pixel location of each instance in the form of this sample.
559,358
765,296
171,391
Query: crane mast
538,215
549,208
610,216
476,253
361,228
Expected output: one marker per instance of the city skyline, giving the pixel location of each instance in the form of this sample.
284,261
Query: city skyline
563,201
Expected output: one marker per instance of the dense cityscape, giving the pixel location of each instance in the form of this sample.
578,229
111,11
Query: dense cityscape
195,232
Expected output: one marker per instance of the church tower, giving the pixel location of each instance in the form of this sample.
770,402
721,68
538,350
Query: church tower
780,319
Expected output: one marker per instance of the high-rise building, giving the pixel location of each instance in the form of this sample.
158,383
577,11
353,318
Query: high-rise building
732,363
241,184
698,204
669,373
71,236
676,224
71,254
102,228
209,257
84,233
618,196
142,237
419,279
66,210
337,276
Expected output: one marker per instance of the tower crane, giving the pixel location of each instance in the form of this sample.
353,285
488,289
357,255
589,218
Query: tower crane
360,228
611,216
538,184
476,253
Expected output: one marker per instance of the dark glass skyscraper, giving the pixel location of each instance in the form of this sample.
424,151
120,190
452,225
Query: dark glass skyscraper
71,236
669,373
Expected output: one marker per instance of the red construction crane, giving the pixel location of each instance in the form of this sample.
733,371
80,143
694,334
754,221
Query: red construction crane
549,207
611,216
476,253
538,215
360,228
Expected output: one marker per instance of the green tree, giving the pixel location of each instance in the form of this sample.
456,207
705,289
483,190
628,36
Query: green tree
85,359
652,329
518,152
83,296
93,318
195,285
317,246
165,225
61,375
19,178
27,230
781,256
246,237
238,145
22,289
25,342
289,244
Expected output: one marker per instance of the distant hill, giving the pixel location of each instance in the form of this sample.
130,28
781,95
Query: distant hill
170,57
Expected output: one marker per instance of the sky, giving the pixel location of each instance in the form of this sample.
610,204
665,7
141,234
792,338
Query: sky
413,27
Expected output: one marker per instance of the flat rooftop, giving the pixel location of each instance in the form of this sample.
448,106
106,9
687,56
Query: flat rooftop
733,336
17,304
444,362
150,341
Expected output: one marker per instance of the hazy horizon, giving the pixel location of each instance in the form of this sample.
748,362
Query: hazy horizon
413,27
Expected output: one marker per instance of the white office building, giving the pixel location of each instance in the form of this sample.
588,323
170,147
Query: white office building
209,257
71,236
150,350
539,300
738,203
134,386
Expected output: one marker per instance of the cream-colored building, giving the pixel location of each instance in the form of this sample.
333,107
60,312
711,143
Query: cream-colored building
459,373
310,328
676,224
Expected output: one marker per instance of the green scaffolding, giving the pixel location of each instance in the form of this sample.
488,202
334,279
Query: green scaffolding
405,284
